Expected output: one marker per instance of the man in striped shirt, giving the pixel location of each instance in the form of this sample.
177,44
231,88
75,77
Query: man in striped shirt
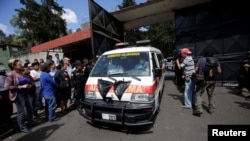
188,70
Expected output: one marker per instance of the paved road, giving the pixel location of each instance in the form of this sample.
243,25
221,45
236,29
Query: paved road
172,123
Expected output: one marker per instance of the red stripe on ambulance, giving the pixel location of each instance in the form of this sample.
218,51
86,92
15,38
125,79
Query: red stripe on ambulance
130,89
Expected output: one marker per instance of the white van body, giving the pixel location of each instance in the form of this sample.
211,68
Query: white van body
125,87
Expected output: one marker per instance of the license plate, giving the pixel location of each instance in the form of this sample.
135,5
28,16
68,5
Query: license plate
108,116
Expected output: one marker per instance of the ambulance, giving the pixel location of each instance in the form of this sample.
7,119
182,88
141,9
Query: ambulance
125,87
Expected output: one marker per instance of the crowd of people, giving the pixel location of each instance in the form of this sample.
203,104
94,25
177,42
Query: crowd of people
45,85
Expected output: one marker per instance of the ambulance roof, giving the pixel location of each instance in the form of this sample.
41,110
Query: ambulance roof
132,49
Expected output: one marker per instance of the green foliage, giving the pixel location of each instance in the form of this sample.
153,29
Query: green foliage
127,3
39,23
162,36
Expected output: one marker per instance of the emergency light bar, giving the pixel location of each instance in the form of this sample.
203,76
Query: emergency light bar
143,42
122,44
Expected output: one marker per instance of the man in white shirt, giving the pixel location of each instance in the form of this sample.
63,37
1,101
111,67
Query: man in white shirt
35,73
57,59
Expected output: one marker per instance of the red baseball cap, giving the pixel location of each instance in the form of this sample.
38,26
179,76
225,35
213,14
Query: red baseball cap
186,51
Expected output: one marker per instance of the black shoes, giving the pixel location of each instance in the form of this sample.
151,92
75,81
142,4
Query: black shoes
25,130
197,113
210,111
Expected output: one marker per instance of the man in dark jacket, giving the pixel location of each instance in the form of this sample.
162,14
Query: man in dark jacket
78,80
244,78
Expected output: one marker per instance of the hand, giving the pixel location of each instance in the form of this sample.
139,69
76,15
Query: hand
23,86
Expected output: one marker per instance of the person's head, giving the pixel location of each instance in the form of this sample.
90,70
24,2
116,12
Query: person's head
65,66
57,55
17,66
59,67
53,65
185,52
41,60
66,60
26,70
35,66
10,63
208,53
78,66
85,61
49,57
142,61
27,61
46,67
35,60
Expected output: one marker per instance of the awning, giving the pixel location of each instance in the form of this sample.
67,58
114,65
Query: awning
63,41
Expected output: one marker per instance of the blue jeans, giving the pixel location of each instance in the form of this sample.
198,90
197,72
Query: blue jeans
50,108
189,97
23,105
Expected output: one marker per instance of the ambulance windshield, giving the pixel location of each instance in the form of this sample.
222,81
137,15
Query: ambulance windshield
123,65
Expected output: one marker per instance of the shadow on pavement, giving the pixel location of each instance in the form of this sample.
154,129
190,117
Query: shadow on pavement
40,134
177,97
245,105
11,128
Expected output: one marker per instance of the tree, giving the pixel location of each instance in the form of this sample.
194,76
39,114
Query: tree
78,29
2,36
39,22
162,36
127,3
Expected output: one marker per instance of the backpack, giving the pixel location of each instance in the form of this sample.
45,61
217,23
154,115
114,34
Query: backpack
210,68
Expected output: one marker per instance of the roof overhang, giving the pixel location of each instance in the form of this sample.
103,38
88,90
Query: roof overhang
63,41
152,12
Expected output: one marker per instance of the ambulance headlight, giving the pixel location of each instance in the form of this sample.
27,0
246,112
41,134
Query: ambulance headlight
142,97
90,95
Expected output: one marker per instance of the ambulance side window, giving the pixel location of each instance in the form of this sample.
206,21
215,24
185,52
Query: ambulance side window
161,61
153,61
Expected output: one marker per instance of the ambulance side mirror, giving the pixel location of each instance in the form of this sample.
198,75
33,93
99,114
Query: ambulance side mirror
157,72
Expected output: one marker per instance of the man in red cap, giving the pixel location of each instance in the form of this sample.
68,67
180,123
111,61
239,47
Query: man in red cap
188,69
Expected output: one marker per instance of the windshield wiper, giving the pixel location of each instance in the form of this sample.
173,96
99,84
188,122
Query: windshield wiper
97,74
114,74
112,78
136,78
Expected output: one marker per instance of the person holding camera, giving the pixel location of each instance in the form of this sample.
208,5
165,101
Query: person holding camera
188,69
178,72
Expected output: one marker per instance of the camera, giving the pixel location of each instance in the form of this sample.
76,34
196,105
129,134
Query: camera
2,72
177,54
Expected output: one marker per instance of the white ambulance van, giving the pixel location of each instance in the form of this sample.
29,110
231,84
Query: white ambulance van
125,87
